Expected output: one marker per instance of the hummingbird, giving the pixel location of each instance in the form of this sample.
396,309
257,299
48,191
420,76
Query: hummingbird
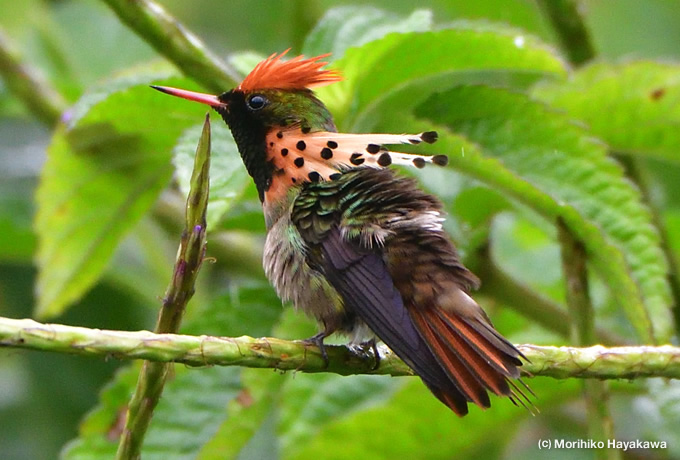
356,246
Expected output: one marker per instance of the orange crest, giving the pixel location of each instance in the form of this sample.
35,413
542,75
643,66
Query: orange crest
298,73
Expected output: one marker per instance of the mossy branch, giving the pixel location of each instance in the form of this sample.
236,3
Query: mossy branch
558,362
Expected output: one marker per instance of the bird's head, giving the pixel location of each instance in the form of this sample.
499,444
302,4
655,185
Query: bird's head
276,93
286,135
275,96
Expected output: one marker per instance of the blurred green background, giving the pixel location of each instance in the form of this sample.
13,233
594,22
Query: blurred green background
76,43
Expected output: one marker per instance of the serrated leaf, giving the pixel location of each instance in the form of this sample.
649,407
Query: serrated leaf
347,26
188,415
237,437
312,401
413,424
541,159
636,109
228,176
193,405
403,69
99,431
105,168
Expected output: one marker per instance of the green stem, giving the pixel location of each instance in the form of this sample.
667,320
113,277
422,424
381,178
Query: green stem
600,424
576,278
189,259
565,17
598,362
27,84
174,41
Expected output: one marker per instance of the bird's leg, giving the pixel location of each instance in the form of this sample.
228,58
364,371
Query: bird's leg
318,341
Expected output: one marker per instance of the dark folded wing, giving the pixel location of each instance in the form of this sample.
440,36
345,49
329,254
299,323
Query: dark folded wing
361,277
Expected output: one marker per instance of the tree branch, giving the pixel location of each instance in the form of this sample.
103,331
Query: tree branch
174,41
566,19
28,85
557,362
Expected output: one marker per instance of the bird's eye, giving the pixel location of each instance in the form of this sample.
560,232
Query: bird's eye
257,101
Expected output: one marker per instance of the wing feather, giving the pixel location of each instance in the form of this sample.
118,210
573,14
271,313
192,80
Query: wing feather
362,279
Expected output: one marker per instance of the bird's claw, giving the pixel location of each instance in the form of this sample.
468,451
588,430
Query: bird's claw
317,340
376,355
363,349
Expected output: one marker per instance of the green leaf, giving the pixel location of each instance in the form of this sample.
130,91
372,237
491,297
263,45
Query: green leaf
349,26
401,70
476,206
228,177
313,401
192,408
105,168
636,109
541,159
531,254
657,413
193,405
143,261
99,431
245,309
250,416
413,424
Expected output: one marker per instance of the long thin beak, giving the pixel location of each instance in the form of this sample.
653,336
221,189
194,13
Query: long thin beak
208,99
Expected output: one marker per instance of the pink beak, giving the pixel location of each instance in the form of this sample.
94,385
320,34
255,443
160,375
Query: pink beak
208,99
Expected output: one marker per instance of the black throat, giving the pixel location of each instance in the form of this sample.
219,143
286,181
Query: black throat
250,136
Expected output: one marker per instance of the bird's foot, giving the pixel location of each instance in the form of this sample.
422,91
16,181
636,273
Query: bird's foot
367,349
317,340
376,355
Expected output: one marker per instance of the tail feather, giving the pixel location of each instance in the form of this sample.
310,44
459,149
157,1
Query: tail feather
492,335
475,357
455,401
461,373
519,398
478,362
487,343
